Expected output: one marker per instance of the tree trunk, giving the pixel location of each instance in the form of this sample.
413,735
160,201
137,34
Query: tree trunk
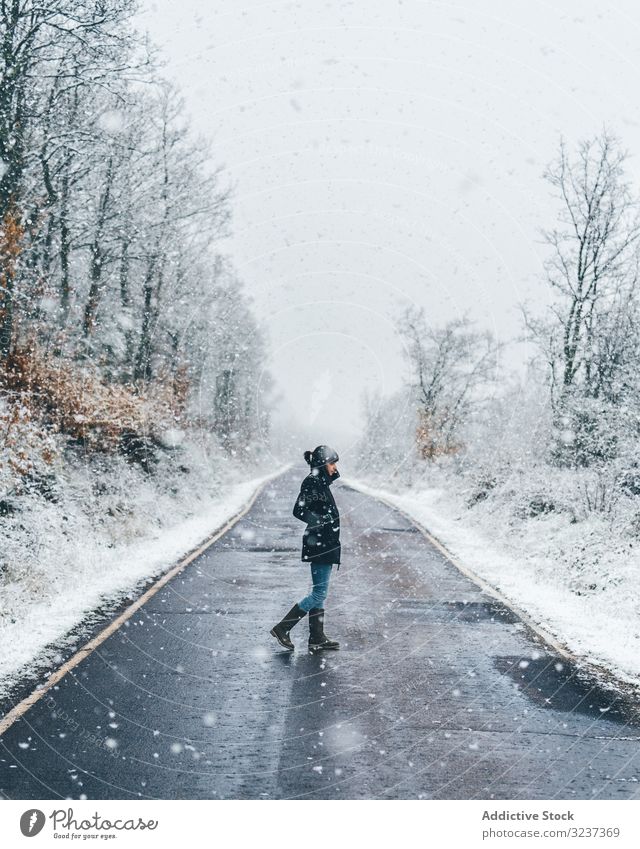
97,258
142,369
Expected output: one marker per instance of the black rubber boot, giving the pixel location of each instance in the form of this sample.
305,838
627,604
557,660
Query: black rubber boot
318,640
281,630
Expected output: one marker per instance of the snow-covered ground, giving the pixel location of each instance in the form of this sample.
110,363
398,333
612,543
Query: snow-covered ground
107,532
574,579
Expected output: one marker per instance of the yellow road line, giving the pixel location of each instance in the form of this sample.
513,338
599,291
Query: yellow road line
22,707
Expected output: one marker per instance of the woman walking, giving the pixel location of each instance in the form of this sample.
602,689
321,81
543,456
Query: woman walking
316,506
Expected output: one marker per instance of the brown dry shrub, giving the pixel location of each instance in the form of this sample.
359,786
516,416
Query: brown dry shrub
75,400
25,446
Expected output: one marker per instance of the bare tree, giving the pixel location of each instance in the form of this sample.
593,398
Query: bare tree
593,262
450,367
33,37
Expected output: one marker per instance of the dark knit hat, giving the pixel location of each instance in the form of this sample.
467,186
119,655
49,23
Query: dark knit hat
321,455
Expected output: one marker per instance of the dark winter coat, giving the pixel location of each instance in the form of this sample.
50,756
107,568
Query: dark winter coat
316,506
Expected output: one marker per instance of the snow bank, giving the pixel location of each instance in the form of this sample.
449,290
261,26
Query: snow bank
108,530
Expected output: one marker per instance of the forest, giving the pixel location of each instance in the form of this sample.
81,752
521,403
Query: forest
128,348
122,322
532,475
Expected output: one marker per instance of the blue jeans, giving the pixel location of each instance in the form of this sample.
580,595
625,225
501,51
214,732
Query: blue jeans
320,574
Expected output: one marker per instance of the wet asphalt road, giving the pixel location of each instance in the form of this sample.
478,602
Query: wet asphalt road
438,691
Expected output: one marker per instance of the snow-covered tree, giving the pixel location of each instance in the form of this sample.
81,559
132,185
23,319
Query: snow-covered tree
589,336
450,367
111,219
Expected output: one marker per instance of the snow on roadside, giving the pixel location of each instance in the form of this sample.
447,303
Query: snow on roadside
79,573
530,566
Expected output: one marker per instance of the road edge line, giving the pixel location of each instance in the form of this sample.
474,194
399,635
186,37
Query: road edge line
481,582
23,706
618,680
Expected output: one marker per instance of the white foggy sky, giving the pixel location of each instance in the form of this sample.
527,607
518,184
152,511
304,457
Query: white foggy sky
389,152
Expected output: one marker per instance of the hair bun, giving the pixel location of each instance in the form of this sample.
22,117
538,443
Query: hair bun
308,456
